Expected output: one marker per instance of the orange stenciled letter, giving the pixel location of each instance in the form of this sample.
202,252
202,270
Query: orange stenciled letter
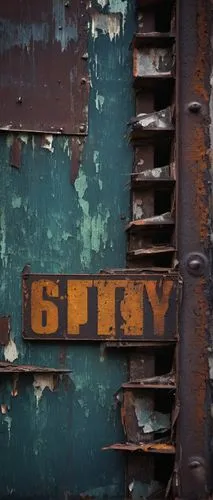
106,305
159,303
77,305
132,308
41,306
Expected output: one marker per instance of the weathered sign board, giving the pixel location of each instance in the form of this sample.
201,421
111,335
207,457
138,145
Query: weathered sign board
115,307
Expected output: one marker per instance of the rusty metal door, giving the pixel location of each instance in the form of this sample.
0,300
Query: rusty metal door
105,236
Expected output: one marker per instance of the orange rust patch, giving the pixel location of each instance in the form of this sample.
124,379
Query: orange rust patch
202,48
198,155
199,359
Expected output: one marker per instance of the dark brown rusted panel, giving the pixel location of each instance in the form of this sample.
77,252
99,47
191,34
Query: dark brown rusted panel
193,235
44,75
101,307
4,330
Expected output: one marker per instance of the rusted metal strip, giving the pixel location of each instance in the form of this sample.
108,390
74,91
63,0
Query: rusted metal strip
193,236
11,368
160,448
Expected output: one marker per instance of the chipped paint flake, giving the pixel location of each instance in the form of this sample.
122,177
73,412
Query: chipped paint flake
99,102
64,31
93,229
106,24
96,161
41,382
4,409
23,34
16,202
47,142
119,6
10,351
8,421
49,234
23,138
3,239
103,3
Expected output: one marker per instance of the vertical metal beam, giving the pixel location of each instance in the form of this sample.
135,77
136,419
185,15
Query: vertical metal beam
193,234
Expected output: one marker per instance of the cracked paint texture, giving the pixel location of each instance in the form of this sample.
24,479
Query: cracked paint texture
58,430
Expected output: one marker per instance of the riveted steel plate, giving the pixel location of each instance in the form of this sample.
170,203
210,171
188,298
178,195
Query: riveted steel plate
44,75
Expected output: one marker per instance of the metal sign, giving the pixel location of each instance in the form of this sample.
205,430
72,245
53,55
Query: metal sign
100,307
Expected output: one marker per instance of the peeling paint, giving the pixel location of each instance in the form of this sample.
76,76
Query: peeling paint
106,24
64,32
99,102
96,161
119,6
41,382
66,236
49,234
16,202
22,35
23,138
93,230
103,3
4,409
3,238
10,351
47,142
8,421
138,209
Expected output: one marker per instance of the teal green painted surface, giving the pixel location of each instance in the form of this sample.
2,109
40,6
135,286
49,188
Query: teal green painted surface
51,437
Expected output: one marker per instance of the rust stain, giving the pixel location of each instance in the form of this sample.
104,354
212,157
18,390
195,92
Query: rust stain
198,156
202,47
199,360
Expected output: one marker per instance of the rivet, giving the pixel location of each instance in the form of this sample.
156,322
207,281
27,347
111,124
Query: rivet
82,128
19,100
194,106
85,56
194,264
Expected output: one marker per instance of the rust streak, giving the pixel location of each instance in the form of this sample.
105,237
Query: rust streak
202,47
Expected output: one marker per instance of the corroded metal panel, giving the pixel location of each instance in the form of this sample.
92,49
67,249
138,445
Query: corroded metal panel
100,307
43,59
